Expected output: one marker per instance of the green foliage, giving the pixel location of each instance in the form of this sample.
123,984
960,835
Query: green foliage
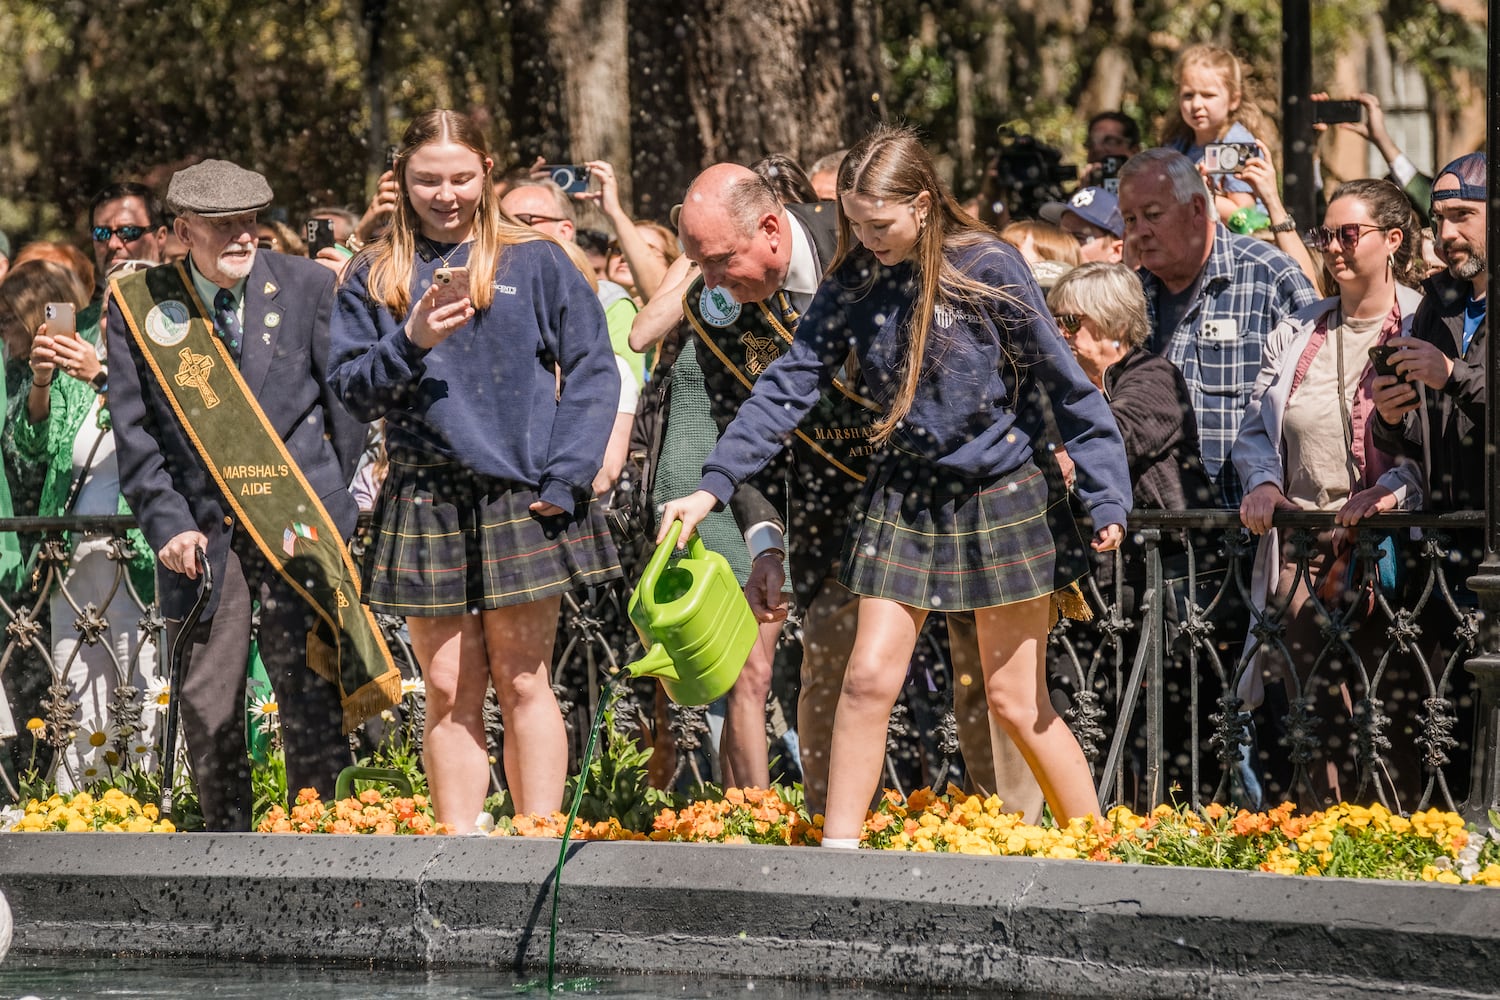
616,783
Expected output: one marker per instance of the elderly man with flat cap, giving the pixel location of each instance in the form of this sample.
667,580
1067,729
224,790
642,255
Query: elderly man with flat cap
232,448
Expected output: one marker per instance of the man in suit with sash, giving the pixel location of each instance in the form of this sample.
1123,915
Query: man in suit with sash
760,262
231,443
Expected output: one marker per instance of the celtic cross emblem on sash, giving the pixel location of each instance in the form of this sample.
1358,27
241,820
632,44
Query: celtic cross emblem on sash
759,352
193,374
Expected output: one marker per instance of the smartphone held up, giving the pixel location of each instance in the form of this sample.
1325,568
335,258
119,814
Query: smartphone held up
452,284
573,178
61,319
1337,112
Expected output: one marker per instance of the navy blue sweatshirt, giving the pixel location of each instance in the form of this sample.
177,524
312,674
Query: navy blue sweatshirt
964,419
487,396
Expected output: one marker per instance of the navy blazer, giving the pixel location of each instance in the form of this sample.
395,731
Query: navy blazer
284,362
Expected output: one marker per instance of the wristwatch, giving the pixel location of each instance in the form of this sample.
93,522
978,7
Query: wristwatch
1285,226
100,382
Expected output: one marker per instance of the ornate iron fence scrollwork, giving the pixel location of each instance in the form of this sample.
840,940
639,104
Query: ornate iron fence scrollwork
1161,686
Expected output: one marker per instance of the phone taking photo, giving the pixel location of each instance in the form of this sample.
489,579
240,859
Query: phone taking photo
452,284
573,178
62,319
319,235
1335,112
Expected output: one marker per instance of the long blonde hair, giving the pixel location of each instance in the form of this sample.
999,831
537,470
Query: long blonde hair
891,163
394,254
1232,73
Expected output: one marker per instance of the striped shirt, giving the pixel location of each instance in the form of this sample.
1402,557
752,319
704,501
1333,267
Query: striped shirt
1245,288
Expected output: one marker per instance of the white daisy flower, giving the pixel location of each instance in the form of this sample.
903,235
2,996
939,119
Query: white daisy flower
411,687
158,694
266,712
94,737
484,823
92,769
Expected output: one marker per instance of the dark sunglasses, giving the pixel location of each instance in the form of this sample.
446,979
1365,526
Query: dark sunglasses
526,219
613,250
127,233
1320,237
1070,322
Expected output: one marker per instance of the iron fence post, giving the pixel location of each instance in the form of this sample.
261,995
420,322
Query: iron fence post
1484,786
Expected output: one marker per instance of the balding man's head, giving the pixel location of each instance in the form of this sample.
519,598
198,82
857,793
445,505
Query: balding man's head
735,229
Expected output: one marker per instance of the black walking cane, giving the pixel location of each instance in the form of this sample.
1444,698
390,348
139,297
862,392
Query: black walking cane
174,680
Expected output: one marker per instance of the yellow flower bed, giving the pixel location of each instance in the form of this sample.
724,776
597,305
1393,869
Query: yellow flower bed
1345,840
112,812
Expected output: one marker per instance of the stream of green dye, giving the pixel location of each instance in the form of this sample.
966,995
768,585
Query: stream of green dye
615,690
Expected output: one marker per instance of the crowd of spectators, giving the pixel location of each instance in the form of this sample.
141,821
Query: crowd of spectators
514,377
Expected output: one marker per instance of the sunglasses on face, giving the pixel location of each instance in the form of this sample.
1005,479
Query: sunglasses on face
1321,237
129,234
1070,322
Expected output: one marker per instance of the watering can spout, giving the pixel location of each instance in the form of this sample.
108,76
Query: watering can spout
656,663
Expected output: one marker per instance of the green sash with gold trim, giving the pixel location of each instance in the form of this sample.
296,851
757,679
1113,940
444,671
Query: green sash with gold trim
261,483
744,340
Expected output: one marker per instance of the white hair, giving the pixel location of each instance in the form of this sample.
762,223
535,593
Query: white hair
1183,177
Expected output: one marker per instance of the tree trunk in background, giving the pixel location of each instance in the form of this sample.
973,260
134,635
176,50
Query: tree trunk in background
572,79
782,78
664,143
372,30
589,39
1112,70
538,110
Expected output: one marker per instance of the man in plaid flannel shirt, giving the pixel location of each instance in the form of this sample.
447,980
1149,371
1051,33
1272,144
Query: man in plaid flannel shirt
1213,295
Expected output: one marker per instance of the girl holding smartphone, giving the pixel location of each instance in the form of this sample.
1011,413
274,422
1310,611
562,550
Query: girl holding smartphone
953,337
497,407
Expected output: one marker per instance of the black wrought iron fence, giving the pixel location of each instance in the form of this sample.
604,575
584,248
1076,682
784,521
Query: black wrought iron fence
1364,695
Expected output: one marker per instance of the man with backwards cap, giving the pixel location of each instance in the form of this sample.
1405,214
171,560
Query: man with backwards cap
231,443
1092,217
1434,410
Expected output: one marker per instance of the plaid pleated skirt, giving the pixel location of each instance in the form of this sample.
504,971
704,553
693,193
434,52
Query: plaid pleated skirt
449,541
929,540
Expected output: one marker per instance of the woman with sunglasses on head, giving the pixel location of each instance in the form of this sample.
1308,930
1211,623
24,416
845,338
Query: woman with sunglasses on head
952,337
498,395
1307,443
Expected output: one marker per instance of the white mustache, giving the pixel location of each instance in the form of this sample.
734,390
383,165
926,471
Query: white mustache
238,248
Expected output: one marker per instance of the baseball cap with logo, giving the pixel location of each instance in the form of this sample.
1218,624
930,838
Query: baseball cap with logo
1093,205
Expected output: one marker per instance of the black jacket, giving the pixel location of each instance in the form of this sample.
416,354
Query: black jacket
284,362
1150,402
1448,438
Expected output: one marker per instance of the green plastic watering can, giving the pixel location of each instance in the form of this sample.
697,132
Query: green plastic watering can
694,621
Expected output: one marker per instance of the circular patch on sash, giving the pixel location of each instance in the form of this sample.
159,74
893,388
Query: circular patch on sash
167,323
718,307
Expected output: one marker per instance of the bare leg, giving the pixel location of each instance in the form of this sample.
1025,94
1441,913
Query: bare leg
1012,645
455,754
519,639
742,749
877,668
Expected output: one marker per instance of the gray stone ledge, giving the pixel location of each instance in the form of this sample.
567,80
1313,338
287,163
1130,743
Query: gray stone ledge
1050,926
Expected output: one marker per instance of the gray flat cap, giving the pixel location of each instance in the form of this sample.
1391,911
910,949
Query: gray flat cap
217,188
